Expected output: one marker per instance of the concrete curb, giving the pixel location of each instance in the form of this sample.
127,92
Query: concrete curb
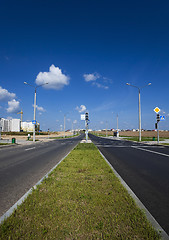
22,199
150,218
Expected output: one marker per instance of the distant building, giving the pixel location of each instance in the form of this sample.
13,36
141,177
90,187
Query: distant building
27,126
10,125
5,125
15,125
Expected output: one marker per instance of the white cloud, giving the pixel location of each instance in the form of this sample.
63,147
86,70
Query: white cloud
55,78
91,77
5,95
13,106
40,109
100,85
81,109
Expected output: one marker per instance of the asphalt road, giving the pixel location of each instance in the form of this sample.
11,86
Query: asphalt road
21,167
145,169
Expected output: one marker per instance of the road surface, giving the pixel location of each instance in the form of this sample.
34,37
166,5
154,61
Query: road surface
21,167
145,169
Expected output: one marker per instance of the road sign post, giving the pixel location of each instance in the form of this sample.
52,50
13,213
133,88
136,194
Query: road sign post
157,110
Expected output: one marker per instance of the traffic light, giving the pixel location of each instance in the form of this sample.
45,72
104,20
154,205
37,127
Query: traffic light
158,117
86,116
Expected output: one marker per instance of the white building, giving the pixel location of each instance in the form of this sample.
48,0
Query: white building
15,125
10,125
27,126
5,125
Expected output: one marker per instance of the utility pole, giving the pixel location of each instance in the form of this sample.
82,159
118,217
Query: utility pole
0,130
139,103
34,115
64,124
117,122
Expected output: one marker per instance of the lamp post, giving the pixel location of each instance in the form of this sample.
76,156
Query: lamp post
34,115
139,103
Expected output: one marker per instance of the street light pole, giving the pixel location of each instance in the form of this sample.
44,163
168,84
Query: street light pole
34,118
34,115
139,103
64,124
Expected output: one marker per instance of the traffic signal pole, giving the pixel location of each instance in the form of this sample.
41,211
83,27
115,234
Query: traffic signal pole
158,120
157,134
86,124
86,131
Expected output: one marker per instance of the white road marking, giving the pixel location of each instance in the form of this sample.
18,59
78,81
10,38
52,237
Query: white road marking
163,154
114,146
29,149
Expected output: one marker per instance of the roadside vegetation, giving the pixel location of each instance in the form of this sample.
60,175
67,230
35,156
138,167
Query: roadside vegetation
25,133
5,143
131,138
144,139
62,137
81,199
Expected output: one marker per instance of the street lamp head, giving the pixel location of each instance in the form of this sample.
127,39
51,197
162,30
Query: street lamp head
25,83
149,83
128,84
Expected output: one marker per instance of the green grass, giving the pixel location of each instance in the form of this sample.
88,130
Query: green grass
62,137
81,199
146,139
31,139
5,143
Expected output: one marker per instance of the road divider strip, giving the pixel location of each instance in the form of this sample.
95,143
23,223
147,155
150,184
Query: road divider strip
81,199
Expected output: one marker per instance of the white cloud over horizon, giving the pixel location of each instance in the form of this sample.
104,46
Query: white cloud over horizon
5,95
81,109
13,106
55,78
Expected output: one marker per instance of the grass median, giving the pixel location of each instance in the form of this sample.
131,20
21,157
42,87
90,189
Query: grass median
81,199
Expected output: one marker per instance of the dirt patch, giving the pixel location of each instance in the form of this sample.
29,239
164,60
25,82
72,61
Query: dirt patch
38,137
163,134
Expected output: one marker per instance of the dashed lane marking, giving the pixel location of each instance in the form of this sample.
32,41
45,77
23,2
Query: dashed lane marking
27,149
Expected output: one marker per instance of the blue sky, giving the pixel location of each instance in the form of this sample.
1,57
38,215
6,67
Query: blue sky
87,51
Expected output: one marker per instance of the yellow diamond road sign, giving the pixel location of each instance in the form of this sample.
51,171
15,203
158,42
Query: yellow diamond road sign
156,110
